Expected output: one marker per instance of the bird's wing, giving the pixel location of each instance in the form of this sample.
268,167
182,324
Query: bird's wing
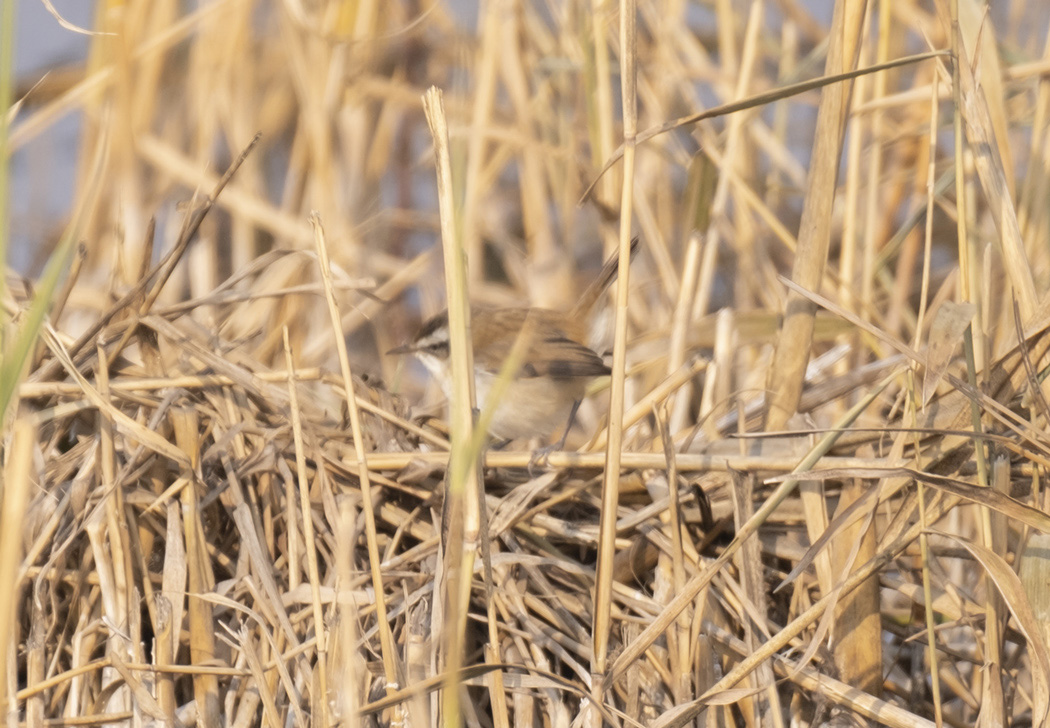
553,353
563,359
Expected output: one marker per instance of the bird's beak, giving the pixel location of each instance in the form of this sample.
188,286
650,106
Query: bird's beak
405,349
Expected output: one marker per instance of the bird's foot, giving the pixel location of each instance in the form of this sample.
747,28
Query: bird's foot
541,456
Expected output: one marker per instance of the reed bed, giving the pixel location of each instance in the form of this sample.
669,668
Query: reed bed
811,493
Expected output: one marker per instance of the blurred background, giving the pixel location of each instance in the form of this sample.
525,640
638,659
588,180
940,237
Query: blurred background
129,109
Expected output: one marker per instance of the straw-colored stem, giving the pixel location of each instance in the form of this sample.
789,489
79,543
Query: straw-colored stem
357,431
306,513
18,467
611,482
791,355
464,486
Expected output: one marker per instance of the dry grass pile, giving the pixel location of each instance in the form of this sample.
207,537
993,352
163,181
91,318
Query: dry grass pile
817,496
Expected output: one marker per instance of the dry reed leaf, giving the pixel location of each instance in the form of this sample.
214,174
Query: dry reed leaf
980,130
977,29
946,331
857,633
841,692
1013,593
974,493
759,100
1033,569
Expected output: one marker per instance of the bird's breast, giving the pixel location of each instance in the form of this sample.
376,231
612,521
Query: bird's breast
529,407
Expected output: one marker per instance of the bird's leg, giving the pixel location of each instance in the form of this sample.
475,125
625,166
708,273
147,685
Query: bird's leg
540,455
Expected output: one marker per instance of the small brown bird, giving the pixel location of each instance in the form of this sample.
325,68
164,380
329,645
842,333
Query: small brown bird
547,389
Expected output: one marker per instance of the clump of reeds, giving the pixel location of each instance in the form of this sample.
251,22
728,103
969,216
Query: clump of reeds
811,492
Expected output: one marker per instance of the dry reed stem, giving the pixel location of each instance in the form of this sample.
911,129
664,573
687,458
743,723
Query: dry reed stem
611,483
302,482
791,355
464,489
17,469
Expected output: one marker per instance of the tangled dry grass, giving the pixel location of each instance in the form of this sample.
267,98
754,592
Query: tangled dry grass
817,497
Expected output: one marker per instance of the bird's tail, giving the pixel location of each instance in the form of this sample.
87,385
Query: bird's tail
583,307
